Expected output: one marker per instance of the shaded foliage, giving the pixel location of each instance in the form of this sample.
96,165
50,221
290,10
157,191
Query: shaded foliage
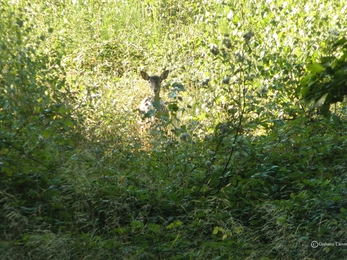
326,81
238,172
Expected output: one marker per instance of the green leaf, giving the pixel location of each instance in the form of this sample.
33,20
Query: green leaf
325,183
155,228
325,110
215,230
178,86
315,67
175,224
173,107
46,133
135,224
321,101
340,42
281,220
336,119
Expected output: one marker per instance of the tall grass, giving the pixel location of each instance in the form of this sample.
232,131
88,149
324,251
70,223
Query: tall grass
240,171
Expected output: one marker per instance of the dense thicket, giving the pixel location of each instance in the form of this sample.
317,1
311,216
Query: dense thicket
244,169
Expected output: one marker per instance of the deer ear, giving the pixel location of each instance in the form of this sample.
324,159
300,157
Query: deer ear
144,75
164,74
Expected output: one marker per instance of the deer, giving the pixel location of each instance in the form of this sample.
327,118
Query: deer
154,106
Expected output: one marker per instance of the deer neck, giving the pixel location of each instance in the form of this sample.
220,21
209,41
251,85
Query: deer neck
156,97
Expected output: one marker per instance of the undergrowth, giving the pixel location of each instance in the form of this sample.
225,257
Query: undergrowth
242,169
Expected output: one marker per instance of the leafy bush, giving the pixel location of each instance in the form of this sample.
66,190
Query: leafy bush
237,172
325,83
35,111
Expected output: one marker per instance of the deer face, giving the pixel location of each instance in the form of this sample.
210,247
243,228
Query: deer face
155,81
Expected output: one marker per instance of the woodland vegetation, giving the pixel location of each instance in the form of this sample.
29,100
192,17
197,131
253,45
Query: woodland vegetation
252,163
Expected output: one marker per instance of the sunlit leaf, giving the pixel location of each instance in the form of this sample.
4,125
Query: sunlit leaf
215,230
315,67
321,101
175,224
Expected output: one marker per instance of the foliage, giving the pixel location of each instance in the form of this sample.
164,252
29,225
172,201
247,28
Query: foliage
237,172
326,81
34,110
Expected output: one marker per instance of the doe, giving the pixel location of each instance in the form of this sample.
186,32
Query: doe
154,103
